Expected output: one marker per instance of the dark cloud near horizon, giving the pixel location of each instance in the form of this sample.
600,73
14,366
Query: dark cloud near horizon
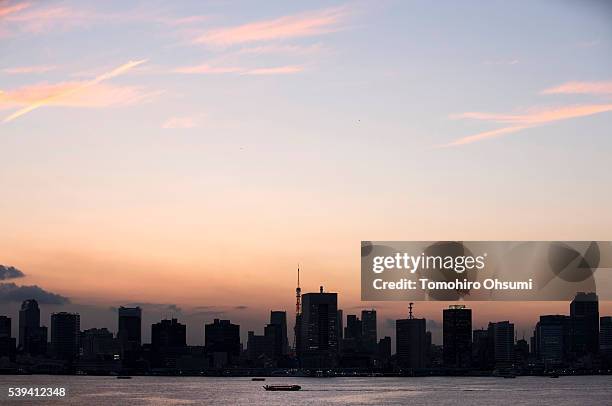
241,307
10,272
10,292
152,307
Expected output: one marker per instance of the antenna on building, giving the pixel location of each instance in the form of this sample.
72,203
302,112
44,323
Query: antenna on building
410,310
298,294
298,311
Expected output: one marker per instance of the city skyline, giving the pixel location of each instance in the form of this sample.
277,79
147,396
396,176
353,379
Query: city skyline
581,341
193,166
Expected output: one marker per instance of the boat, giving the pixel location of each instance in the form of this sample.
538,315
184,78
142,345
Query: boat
553,375
124,377
282,387
258,379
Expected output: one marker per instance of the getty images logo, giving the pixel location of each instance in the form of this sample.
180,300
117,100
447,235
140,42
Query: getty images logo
413,263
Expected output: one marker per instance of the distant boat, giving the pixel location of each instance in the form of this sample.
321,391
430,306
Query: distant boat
282,387
553,375
124,377
258,379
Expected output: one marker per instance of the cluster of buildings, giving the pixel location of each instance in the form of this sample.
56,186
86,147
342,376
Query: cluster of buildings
323,340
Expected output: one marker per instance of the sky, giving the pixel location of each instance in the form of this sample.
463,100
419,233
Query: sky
186,156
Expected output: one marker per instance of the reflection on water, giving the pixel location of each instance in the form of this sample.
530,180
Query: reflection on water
87,390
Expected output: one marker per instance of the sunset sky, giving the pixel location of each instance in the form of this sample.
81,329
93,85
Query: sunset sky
188,155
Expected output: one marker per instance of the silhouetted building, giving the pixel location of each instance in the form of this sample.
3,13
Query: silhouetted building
319,330
457,336
340,325
98,344
129,330
168,342
353,329
32,336
411,343
481,350
222,342
5,326
260,349
501,338
521,353
384,350
168,334
279,318
368,330
65,331
605,337
552,339
7,343
584,315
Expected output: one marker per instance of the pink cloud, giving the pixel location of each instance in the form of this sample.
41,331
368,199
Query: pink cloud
581,88
28,69
90,93
41,19
523,121
179,123
6,10
281,49
279,70
206,69
301,25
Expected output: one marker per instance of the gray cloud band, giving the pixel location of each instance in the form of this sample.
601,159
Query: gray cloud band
485,270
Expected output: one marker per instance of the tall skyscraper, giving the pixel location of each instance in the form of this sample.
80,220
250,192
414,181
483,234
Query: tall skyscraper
411,342
457,336
222,337
501,340
584,315
481,350
319,329
340,325
368,330
168,343
65,331
98,344
605,337
260,349
7,343
32,336
279,318
353,329
129,330
551,339
384,350
168,334
5,326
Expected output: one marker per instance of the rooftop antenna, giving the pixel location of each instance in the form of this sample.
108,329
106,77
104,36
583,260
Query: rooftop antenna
298,309
298,294
410,310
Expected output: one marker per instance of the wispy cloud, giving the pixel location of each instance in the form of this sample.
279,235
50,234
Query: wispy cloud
41,19
70,93
300,25
6,9
523,121
183,122
206,69
281,49
19,70
594,88
279,70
